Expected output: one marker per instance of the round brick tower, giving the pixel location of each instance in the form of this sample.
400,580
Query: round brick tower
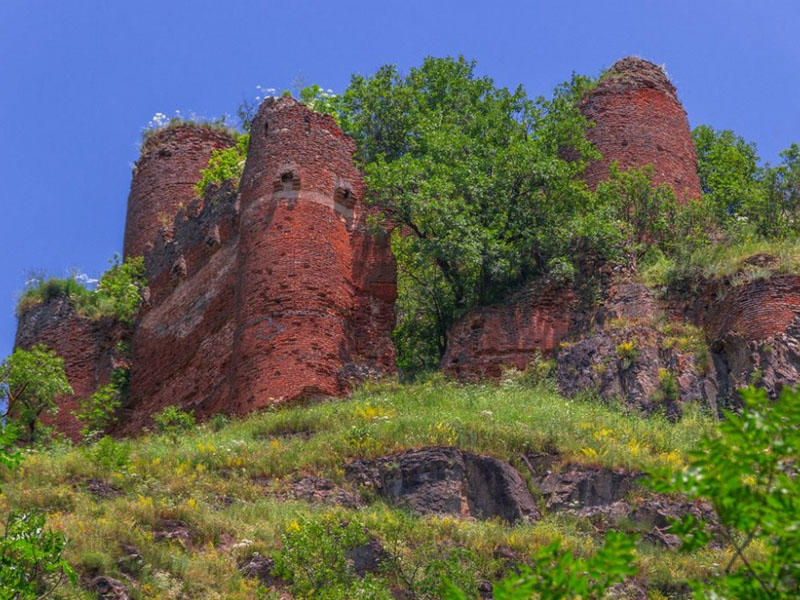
164,178
639,121
300,198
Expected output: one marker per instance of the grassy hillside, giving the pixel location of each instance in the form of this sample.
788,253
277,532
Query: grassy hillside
177,518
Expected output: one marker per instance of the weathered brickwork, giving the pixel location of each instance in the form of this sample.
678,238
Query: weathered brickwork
164,178
262,295
638,120
527,326
278,290
299,285
183,343
86,345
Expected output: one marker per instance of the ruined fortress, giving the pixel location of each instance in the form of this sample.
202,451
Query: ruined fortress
277,290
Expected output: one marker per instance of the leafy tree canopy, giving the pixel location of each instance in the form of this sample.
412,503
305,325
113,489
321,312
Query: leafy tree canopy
30,381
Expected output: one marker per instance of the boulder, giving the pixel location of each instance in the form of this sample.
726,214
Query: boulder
441,480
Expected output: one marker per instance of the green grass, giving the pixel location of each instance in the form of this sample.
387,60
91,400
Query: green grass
194,479
739,263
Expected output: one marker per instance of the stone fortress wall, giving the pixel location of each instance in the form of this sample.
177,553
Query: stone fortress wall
278,291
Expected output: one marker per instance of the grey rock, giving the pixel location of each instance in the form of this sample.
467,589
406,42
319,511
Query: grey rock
441,480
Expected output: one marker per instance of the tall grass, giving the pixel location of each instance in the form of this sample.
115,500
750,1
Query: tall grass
220,480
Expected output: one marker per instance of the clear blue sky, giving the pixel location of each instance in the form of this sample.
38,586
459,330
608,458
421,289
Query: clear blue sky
81,78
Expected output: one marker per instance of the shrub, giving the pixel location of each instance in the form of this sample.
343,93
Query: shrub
556,574
173,421
40,290
98,411
121,288
627,352
748,472
224,165
118,292
109,454
315,558
30,381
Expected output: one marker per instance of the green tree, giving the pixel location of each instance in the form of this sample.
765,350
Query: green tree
30,382
473,178
778,212
730,176
749,474
31,562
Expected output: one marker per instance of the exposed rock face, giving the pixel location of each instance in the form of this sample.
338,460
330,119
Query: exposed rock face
510,334
629,355
447,481
609,497
164,178
754,331
87,347
639,121
107,588
580,486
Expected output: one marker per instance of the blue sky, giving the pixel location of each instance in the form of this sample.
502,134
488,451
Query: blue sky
80,79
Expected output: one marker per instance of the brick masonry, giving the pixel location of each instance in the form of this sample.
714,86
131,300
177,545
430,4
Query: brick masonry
164,178
86,345
638,120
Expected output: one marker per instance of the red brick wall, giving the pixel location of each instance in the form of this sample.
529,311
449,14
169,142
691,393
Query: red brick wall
85,345
756,311
263,296
509,334
183,342
638,121
164,178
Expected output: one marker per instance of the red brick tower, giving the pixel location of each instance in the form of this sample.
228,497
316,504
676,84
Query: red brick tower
298,284
164,178
639,121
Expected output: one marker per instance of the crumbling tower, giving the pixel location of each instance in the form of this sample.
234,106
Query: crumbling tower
164,178
639,121
301,273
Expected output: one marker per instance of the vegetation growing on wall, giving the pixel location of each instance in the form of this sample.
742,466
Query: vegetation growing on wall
224,165
118,292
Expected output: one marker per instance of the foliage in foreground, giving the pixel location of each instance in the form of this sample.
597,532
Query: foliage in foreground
749,473
31,558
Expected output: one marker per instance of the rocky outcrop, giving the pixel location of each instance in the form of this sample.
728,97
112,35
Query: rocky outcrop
753,328
442,480
633,353
638,120
581,486
612,499
107,588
